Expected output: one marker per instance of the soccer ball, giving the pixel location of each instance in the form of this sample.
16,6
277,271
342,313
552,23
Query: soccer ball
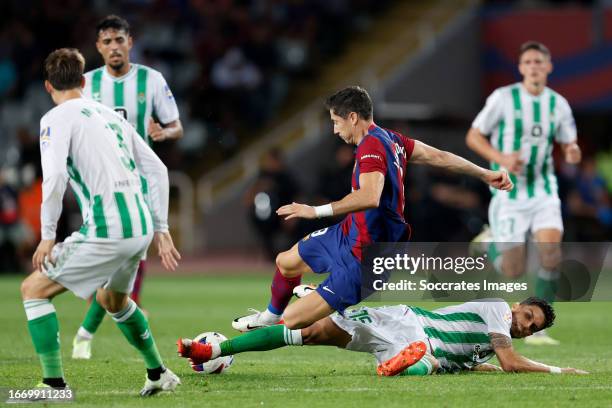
218,365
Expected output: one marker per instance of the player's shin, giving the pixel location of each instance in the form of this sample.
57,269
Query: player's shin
44,330
546,284
281,291
134,326
93,319
267,338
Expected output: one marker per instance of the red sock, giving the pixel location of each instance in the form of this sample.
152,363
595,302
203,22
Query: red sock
135,295
282,290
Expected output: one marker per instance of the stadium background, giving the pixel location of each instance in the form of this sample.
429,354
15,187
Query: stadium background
266,140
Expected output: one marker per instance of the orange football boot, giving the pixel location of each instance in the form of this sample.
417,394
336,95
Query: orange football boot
402,360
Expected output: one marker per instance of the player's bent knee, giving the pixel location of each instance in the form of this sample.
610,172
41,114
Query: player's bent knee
294,322
29,288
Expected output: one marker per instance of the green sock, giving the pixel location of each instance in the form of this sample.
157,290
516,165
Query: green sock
546,285
495,257
422,367
44,330
267,338
93,318
135,328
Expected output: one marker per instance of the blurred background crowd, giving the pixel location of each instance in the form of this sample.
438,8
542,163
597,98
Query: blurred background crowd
234,66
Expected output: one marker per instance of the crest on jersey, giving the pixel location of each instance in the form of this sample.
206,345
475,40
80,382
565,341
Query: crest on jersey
141,97
508,317
45,138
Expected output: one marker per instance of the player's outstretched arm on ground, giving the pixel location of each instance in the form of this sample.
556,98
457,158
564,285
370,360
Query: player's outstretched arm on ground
480,144
511,361
367,196
425,154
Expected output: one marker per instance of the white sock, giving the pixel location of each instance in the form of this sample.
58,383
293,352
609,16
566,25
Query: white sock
548,275
36,308
270,318
84,334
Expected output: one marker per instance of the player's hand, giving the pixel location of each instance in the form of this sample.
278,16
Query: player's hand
156,132
43,254
295,210
573,155
166,250
498,179
512,162
570,370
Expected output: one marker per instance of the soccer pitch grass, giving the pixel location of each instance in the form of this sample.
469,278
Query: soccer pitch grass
292,376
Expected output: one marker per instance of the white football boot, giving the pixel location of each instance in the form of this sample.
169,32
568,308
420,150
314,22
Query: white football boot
81,348
168,381
303,290
541,338
255,321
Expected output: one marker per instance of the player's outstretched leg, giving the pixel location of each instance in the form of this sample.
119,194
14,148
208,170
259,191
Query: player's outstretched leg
36,290
404,359
81,344
289,270
267,338
134,326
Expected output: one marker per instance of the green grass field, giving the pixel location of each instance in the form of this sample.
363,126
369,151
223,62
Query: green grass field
305,376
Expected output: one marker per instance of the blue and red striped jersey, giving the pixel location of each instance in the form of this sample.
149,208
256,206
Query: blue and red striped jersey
387,152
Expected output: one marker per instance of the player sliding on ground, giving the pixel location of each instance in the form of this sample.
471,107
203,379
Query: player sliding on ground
104,158
374,213
409,340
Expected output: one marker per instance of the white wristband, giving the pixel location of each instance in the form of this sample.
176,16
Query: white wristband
554,370
324,210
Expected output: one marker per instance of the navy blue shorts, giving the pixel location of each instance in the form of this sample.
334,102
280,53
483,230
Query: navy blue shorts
329,251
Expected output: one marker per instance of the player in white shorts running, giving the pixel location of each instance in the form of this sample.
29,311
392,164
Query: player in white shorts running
409,340
90,145
523,121
139,94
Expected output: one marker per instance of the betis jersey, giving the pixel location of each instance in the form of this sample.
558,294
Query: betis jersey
521,122
459,335
137,95
89,144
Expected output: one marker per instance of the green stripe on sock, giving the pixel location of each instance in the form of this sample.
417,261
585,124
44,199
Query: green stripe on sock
99,218
449,317
457,336
96,82
267,338
531,171
141,102
124,214
136,330
93,318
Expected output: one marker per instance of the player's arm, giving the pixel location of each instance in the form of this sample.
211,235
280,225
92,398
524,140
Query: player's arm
54,146
479,143
425,154
156,174
169,131
486,367
511,361
566,134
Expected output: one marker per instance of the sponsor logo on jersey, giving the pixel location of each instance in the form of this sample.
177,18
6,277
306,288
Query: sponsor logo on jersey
370,156
168,92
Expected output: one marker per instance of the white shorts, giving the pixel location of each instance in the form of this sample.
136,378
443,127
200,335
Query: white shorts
82,265
381,331
512,220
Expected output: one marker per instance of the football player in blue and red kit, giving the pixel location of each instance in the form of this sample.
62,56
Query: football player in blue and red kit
374,213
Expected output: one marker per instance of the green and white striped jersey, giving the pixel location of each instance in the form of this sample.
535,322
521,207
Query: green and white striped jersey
137,95
521,122
459,335
105,160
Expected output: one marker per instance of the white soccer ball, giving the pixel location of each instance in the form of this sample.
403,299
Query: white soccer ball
218,365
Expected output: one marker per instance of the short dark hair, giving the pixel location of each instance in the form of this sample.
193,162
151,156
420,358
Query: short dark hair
350,99
112,22
64,68
547,309
533,45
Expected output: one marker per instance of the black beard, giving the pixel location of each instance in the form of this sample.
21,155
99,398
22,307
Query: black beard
117,67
